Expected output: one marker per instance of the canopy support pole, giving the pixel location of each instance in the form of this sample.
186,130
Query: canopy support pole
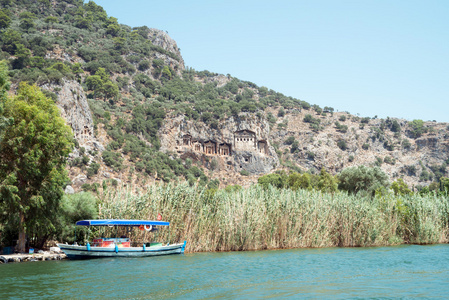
168,243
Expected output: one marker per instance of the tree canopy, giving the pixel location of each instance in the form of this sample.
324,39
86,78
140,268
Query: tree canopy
363,179
33,152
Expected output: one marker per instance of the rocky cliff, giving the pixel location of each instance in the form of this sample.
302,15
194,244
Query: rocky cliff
343,140
241,148
74,108
245,143
73,105
162,39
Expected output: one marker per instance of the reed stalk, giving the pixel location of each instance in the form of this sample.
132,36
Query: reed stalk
255,218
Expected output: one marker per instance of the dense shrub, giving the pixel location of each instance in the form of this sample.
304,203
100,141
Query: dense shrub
290,140
324,181
244,173
80,206
363,179
416,128
340,127
342,145
112,159
93,169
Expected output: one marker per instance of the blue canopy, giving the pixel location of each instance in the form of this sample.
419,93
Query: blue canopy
120,223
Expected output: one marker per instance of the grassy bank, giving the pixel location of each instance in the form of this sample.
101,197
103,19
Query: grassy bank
257,218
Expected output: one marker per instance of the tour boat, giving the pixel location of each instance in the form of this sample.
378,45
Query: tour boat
121,247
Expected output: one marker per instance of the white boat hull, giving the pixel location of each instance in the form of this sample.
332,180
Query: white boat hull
82,252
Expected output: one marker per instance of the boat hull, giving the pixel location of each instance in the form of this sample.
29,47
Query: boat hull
84,252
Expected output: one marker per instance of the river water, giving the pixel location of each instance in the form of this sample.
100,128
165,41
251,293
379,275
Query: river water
385,272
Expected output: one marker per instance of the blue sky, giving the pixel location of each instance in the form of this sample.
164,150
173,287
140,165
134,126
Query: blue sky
384,58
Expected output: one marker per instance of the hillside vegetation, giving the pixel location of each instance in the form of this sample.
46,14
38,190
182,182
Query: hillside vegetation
135,81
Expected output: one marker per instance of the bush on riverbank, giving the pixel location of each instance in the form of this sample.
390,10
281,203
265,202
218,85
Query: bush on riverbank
269,218
72,208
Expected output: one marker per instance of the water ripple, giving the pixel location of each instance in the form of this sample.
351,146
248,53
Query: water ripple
340,273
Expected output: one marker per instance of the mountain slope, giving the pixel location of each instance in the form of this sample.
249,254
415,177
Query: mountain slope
139,116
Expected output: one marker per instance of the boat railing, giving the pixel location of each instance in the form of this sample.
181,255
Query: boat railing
122,242
111,242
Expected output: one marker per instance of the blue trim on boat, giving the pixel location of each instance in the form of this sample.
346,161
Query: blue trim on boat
183,246
77,256
109,222
112,250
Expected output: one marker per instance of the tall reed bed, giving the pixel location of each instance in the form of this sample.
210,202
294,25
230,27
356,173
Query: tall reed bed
256,218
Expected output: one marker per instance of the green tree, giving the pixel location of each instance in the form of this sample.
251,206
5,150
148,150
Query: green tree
120,44
112,29
295,147
62,68
300,181
342,145
27,15
94,83
27,23
4,87
10,39
327,183
363,179
103,74
166,72
417,128
51,20
328,109
144,65
110,89
399,187
33,155
77,69
277,180
23,56
82,23
281,112
395,127
80,206
5,20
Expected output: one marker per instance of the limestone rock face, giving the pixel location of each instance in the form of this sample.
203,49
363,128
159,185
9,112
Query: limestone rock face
220,80
162,39
240,143
72,103
69,190
253,163
371,143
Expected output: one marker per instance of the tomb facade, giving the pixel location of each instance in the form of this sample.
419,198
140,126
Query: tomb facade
245,140
187,140
262,147
210,148
224,149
